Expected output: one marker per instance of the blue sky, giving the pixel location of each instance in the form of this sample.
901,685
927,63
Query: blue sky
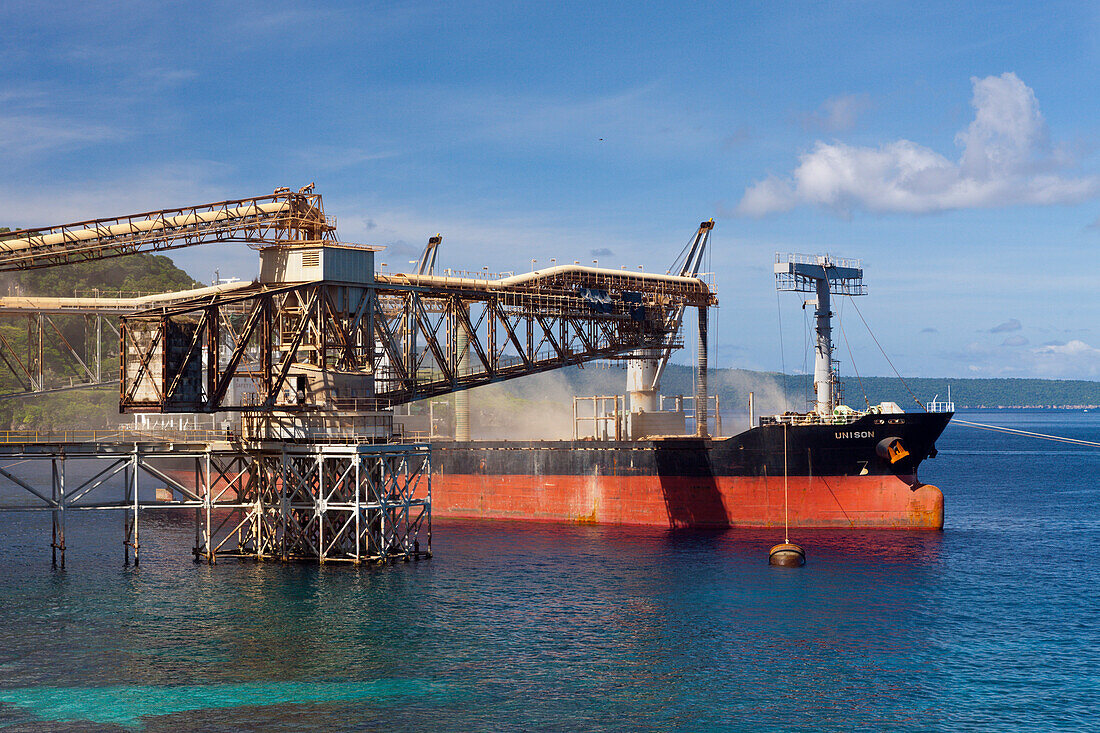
953,149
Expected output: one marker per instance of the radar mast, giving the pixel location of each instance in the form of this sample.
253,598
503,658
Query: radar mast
824,276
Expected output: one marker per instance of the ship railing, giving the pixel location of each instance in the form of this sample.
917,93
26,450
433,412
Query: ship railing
812,419
123,434
938,406
804,259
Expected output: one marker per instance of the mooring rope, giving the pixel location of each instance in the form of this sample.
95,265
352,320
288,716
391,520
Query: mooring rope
786,521
885,356
1025,433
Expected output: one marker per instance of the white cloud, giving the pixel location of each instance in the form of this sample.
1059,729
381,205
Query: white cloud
28,134
37,119
1072,360
1005,160
159,77
1074,348
334,157
1014,358
1012,324
839,113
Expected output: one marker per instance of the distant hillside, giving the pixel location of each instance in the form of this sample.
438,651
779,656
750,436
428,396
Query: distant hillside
776,392
540,406
536,406
135,273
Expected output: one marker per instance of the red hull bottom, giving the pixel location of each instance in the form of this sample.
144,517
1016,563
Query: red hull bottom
865,502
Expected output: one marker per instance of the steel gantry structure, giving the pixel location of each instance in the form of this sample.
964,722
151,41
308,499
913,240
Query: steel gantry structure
279,501
400,338
80,364
279,218
313,354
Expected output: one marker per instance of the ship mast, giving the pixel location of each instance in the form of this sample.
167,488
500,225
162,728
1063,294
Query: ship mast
824,276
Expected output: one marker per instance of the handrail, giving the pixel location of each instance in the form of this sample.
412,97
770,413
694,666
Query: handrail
796,258
117,434
813,419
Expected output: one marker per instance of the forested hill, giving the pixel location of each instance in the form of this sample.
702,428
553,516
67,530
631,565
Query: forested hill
134,273
776,392
979,392
140,273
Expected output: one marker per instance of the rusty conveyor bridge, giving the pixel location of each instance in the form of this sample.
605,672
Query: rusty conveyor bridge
277,218
73,363
396,339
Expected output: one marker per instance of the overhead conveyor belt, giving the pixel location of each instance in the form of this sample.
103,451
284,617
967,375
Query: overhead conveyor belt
33,305
278,218
685,290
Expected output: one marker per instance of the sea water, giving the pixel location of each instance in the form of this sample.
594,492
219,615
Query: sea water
990,625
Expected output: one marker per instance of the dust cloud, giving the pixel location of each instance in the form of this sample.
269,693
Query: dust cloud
771,392
540,407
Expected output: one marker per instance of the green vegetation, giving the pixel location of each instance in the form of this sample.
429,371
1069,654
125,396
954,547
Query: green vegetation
84,409
142,273
775,392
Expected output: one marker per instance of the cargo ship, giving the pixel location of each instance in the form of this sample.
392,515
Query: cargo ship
830,467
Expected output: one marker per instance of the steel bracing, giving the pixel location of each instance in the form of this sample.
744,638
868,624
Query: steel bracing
336,502
68,364
341,346
82,333
353,503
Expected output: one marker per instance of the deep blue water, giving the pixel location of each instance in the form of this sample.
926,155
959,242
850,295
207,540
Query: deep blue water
990,625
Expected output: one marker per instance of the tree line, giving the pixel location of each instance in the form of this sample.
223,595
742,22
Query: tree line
131,275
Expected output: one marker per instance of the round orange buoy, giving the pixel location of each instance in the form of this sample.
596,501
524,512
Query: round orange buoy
788,555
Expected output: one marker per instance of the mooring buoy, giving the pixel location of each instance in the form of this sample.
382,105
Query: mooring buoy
788,555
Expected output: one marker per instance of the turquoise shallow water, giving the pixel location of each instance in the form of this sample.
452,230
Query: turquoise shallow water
991,624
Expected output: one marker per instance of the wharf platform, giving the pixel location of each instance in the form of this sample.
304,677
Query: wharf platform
271,500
